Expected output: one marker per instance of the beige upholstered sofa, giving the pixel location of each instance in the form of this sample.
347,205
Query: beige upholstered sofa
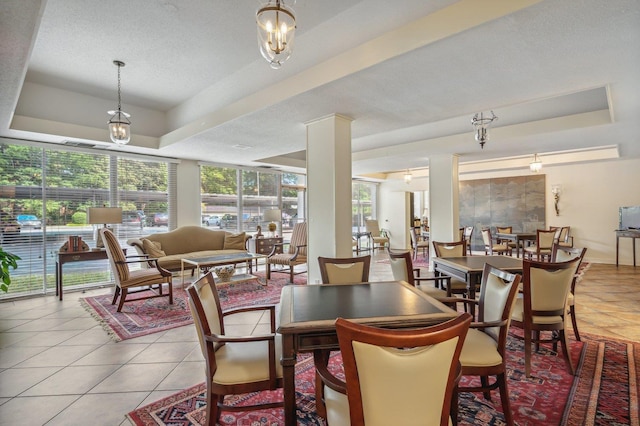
188,242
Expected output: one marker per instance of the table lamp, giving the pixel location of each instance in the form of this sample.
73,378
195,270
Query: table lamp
273,215
103,215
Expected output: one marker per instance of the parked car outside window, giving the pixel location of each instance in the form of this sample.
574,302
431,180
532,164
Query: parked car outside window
160,219
131,218
29,221
212,220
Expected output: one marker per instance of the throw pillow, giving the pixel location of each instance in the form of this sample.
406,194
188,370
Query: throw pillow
234,242
152,248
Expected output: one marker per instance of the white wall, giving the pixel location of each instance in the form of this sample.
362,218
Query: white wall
189,209
591,196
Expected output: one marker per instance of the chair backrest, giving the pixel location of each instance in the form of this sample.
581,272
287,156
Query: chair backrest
206,311
497,296
461,234
487,238
545,238
504,229
468,233
546,286
401,376
116,256
372,227
414,238
560,253
299,238
346,270
402,266
564,234
453,249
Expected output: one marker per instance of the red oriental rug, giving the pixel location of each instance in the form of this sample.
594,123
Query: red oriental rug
142,317
605,392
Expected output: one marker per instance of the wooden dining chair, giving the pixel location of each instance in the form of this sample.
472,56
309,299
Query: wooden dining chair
452,249
505,230
418,244
542,248
394,377
560,253
484,350
378,240
233,364
347,270
543,306
490,247
403,270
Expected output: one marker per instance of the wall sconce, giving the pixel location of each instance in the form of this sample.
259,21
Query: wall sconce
407,177
556,190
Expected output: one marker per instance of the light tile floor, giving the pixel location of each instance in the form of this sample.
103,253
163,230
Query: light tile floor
58,367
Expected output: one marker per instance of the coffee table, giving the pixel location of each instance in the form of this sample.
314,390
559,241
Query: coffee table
204,264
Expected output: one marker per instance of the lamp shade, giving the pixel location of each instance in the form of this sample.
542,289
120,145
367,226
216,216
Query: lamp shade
273,215
104,215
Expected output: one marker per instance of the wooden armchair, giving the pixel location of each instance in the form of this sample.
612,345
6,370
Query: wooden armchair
417,244
403,270
295,255
234,364
394,377
452,249
560,253
378,240
151,279
542,248
490,247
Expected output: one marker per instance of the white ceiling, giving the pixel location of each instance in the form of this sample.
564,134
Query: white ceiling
560,75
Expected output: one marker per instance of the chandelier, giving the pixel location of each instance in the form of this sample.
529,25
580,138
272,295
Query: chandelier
481,124
407,176
276,32
119,124
536,165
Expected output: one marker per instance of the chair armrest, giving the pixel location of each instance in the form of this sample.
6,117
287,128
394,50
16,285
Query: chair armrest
270,308
319,360
488,324
295,254
216,338
275,247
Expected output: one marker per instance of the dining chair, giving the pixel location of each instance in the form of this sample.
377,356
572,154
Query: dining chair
418,244
378,240
346,270
483,353
468,235
151,279
452,249
505,230
296,254
491,248
403,270
394,377
562,235
542,248
560,253
543,306
234,364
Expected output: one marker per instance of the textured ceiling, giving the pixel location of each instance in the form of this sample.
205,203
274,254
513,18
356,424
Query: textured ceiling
559,75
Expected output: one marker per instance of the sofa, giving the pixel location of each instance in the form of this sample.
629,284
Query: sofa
188,242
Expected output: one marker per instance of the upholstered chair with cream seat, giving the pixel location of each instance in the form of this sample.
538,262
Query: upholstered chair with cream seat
483,352
403,270
452,249
418,244
491,247
562,236
296,253
542,248
234,364
346,270
543,306
505,230
377,239
560,253
152,279
394,377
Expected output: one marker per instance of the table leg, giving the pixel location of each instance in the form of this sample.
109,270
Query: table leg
617,247
288,362
59,279
633,241
182,272
471,290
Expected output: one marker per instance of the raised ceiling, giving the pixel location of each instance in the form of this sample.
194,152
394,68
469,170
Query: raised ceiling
561,76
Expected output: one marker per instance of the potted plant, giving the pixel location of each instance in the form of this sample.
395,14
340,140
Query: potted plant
7,260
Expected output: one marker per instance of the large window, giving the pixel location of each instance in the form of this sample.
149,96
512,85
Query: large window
363,204
44,196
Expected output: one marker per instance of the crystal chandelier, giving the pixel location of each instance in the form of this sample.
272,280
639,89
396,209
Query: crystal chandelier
276,32
536,165
481,124
119,124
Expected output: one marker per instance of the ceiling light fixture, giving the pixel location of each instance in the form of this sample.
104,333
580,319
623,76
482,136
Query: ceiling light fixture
119,124
407,177
536,164
276,32
481,124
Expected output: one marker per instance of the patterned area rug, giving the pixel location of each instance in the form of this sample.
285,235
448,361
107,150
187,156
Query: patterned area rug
142,317
605,392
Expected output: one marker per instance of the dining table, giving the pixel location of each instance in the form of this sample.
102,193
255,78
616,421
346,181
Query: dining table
308,314
520,238
469,269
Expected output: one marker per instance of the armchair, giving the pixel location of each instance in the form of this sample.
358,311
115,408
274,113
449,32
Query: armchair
490,248
542,248
134,281
373,229
560,253
295,255
452,249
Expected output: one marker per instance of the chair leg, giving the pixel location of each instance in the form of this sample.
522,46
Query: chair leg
484,380
116,293
213,411
291,274
122,299
170,292
268,265
574,322
453,412
527,353
564,341
504,397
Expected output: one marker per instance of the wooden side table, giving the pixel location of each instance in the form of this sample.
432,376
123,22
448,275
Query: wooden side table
76,256
265,245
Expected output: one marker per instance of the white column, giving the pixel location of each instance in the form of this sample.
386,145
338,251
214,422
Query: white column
328,190
444,208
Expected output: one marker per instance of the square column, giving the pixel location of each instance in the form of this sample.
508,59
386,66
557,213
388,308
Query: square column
444,207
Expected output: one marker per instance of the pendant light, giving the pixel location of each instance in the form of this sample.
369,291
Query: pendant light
119,124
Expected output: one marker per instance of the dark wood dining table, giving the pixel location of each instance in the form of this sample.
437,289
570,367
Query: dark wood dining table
308,314
469,269
519,238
